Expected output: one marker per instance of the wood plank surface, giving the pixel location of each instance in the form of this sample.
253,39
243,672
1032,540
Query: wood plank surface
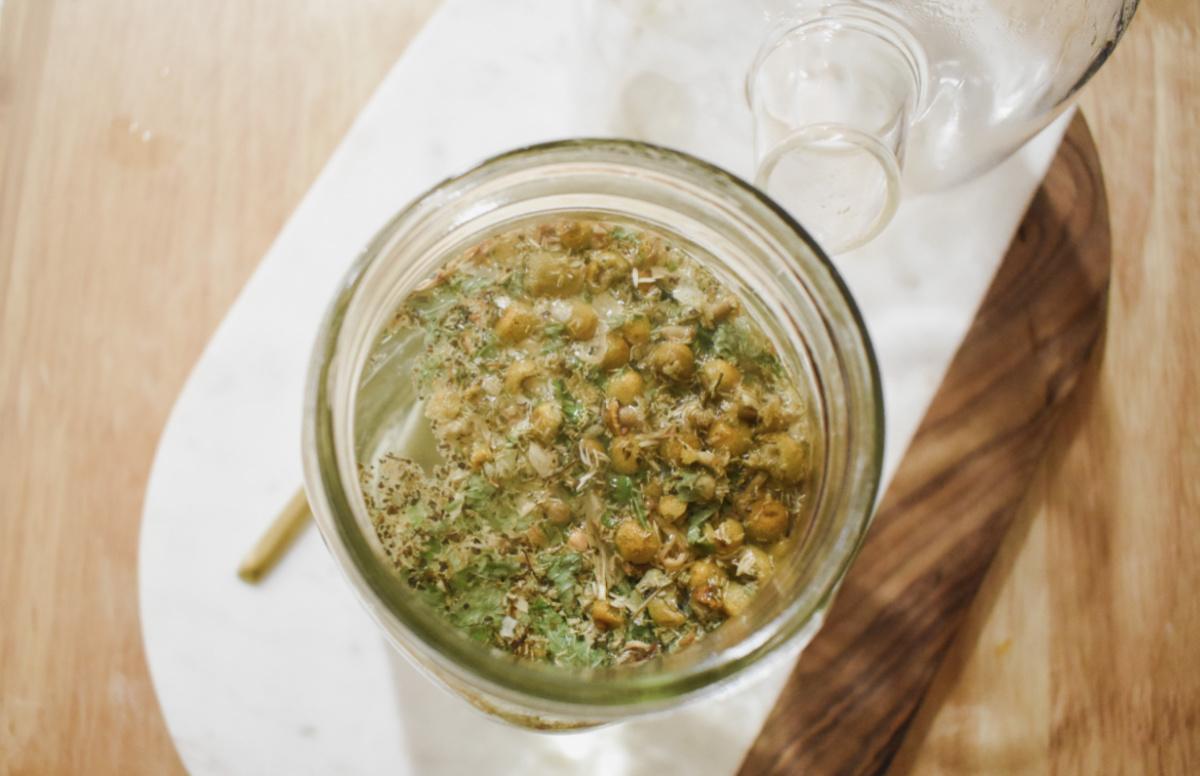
852,696
1081,655
150,150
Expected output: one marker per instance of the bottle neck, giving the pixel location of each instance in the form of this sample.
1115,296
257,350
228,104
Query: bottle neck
832,98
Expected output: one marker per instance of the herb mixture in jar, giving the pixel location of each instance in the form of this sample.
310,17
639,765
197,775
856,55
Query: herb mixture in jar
624,455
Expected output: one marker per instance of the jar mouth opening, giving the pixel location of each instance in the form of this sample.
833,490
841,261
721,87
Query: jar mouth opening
789,279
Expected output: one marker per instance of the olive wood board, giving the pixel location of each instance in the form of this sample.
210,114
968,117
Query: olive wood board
854,692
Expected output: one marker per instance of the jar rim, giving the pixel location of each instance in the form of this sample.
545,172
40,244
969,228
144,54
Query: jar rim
550,690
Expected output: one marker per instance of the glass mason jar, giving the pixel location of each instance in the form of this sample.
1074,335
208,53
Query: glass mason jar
750,245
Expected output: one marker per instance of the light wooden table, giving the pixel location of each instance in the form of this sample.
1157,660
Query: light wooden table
150,151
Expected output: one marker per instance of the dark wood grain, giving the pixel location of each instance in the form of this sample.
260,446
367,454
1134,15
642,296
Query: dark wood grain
853,694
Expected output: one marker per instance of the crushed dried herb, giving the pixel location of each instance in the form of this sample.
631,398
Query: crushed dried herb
623,454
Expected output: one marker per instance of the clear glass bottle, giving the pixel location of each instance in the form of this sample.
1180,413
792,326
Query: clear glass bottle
757,251
851,101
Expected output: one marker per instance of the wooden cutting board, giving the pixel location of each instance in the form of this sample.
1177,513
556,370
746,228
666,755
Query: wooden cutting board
855,690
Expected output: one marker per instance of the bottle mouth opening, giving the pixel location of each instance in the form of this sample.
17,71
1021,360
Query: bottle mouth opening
842,184
832,98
